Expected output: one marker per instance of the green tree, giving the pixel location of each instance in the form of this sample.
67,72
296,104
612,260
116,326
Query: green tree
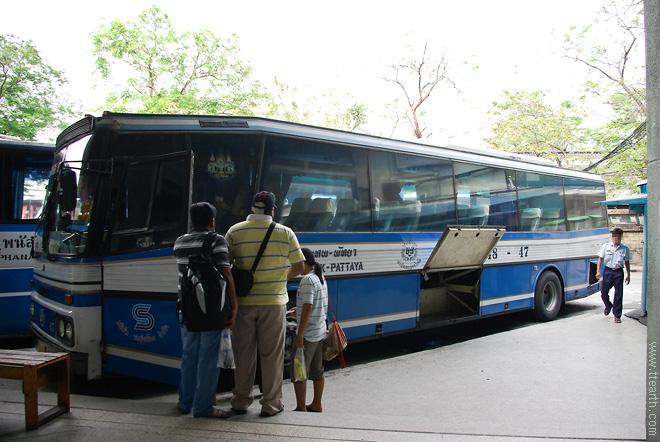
612,48
346,114
192,72
285,104
624,161
289,104
527,124
30,91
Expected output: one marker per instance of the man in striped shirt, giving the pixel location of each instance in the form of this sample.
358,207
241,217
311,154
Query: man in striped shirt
199,371
261,320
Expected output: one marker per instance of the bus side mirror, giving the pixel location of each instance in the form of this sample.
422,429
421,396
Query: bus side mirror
69,191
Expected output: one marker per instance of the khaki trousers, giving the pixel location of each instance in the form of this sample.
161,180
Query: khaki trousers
259,328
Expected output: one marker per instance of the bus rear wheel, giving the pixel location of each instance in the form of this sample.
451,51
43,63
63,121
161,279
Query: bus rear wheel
547,297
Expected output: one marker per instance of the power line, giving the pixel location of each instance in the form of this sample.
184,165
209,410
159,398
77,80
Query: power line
638,134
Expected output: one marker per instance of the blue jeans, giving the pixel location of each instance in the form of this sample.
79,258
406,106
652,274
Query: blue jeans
199,371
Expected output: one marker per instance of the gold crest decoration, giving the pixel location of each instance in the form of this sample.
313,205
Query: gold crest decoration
221,167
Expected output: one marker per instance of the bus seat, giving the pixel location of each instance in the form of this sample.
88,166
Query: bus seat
577,220
346,211
427,217
479,214
463,211
298,216
284,213
399,217
530,219
321,212
435,216
411,214
550,219
387,213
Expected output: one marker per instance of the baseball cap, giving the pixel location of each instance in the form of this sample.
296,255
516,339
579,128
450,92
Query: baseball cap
264,200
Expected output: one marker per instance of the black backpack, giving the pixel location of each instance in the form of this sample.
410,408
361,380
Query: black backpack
203,305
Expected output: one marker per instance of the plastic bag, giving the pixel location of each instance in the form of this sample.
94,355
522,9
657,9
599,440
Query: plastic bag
299,370
226,356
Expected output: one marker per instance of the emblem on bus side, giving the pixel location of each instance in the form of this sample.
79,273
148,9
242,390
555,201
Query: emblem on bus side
409,259
143,319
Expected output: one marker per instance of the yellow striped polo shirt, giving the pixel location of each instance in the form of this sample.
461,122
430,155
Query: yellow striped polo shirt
244,240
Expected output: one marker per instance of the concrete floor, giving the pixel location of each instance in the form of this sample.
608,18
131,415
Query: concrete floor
580,377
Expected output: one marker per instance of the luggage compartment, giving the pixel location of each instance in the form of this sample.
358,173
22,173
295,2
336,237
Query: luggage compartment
450,280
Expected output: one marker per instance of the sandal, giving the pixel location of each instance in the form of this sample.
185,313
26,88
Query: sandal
226,414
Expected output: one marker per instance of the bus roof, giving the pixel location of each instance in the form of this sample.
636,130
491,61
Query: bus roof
8,141
149,122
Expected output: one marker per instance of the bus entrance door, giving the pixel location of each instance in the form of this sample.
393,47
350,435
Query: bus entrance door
450,279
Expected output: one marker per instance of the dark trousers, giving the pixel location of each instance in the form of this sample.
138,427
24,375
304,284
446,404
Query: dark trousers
612,278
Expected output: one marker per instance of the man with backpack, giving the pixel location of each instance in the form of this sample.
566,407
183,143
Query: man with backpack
208,305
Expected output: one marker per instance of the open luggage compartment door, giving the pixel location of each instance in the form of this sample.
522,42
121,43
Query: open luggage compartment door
451,276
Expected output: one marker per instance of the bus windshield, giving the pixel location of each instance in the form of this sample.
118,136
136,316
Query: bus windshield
70,195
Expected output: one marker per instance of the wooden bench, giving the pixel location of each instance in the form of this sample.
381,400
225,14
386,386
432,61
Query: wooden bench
36,370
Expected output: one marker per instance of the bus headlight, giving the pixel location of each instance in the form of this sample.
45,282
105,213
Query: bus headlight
65,330
32,311
69,331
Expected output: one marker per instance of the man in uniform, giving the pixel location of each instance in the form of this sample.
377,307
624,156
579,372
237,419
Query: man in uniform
613,256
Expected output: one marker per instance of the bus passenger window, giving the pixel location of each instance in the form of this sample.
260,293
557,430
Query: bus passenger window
540,198
412,193
34,182
583,208
486,196
309,178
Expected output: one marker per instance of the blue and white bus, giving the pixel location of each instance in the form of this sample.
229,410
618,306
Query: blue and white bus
25,168
409,235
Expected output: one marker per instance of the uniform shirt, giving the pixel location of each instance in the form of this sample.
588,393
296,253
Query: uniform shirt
614,257
311,291
191,243
244,240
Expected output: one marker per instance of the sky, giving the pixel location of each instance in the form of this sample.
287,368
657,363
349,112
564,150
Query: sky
345,47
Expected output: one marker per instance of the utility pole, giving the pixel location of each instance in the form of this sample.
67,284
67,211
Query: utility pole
652,29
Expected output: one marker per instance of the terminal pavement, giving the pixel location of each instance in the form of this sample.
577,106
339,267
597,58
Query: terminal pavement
580,377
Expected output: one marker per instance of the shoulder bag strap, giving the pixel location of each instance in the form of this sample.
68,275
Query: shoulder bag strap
264,243
331,311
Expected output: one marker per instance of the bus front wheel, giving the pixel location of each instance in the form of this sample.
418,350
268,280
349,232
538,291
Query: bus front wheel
547,297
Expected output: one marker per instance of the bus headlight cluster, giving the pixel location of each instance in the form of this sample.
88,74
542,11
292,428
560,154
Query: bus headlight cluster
65,332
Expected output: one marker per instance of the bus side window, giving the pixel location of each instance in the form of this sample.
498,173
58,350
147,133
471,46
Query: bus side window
583,209
540,202
151,210
309,178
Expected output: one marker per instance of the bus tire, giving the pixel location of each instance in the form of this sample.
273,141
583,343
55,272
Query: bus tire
547,297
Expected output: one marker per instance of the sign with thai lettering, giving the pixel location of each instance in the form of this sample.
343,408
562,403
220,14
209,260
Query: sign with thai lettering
15,248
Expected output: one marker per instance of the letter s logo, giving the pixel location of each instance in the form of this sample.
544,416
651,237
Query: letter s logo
143,319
